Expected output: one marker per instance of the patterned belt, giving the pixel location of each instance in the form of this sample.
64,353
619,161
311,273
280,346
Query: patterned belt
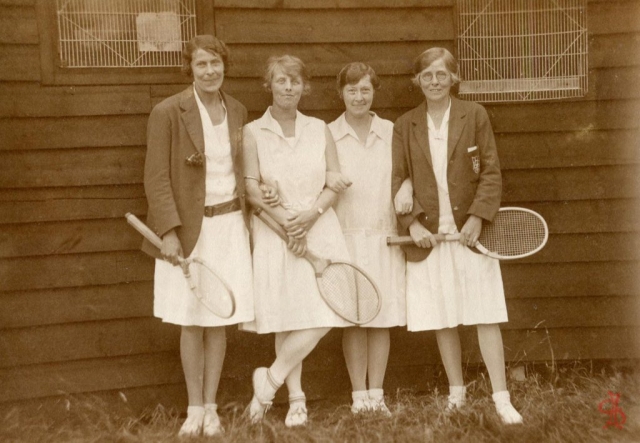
222,208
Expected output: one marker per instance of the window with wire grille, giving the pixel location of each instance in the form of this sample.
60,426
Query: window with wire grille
124,33
520,50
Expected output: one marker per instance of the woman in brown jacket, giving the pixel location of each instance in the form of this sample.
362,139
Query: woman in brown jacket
194,187
446,148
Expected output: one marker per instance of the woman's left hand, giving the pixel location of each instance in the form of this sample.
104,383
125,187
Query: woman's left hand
337,181
299,224
471,231
270,195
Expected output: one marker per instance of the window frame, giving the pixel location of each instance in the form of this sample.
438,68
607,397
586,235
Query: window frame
53,74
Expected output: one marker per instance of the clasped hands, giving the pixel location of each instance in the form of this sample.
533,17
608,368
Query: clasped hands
469,233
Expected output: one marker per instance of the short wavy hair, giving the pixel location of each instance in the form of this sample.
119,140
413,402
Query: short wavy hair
353,72
208,43
424,60
291,66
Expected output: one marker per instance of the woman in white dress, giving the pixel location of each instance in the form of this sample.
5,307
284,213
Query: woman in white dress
447,149
366,214
292,153
194,187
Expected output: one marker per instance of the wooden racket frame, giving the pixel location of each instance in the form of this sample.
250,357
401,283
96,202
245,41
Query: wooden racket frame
184,264
319,265
407,240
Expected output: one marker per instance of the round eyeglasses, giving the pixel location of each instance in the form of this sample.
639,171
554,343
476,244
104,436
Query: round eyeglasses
428,76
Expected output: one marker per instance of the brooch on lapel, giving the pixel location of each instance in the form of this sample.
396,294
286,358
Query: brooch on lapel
194,159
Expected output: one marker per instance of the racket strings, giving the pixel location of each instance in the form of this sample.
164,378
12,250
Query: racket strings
349,292
513,233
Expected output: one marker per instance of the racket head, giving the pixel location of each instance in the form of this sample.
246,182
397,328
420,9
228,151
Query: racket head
514,233
210,288
349,292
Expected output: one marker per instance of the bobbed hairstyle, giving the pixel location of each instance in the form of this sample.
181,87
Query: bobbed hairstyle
424,60
208,43
291,66
353,72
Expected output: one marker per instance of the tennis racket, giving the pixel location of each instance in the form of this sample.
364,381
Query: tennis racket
514,233
344,287
211,289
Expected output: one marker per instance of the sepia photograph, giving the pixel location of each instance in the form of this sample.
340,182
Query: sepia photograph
320,221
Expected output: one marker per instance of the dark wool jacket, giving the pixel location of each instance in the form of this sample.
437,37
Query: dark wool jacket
471,190
175,187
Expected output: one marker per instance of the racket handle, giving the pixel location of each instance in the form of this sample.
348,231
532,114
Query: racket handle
407,240
144,230
271,223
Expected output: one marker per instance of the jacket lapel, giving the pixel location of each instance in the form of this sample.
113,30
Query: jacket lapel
191,119
420,132
457,120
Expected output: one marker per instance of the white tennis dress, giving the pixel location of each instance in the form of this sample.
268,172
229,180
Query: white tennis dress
286,294
366,214
223,242
453,285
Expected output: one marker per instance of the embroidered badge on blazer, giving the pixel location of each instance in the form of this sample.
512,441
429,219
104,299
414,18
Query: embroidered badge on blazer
475,159
476,163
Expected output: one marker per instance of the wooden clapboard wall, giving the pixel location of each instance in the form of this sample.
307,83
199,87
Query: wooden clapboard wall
76,294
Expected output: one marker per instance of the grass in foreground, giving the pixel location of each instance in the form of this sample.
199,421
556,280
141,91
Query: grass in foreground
560,405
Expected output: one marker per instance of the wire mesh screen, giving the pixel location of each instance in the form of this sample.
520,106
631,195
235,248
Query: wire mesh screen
513,50
124,33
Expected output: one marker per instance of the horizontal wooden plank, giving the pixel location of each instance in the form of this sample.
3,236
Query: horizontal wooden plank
614,17
565,116
48,272
18,25
587,216
70,209
603,343
614,83
611,50
597,247
586,183
70,237
568,149
326,59
72,132
572,312
345,25
32,101
71,193
71,167
85,376
19,63
17,2
328,4
67,305
532,280
76,341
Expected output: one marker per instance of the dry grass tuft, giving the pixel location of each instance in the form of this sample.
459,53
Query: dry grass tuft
559,404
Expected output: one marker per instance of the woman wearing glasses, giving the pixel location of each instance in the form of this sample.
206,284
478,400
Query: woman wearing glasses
447,149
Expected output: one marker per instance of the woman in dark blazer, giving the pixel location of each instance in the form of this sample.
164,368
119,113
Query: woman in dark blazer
194,186
446,150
